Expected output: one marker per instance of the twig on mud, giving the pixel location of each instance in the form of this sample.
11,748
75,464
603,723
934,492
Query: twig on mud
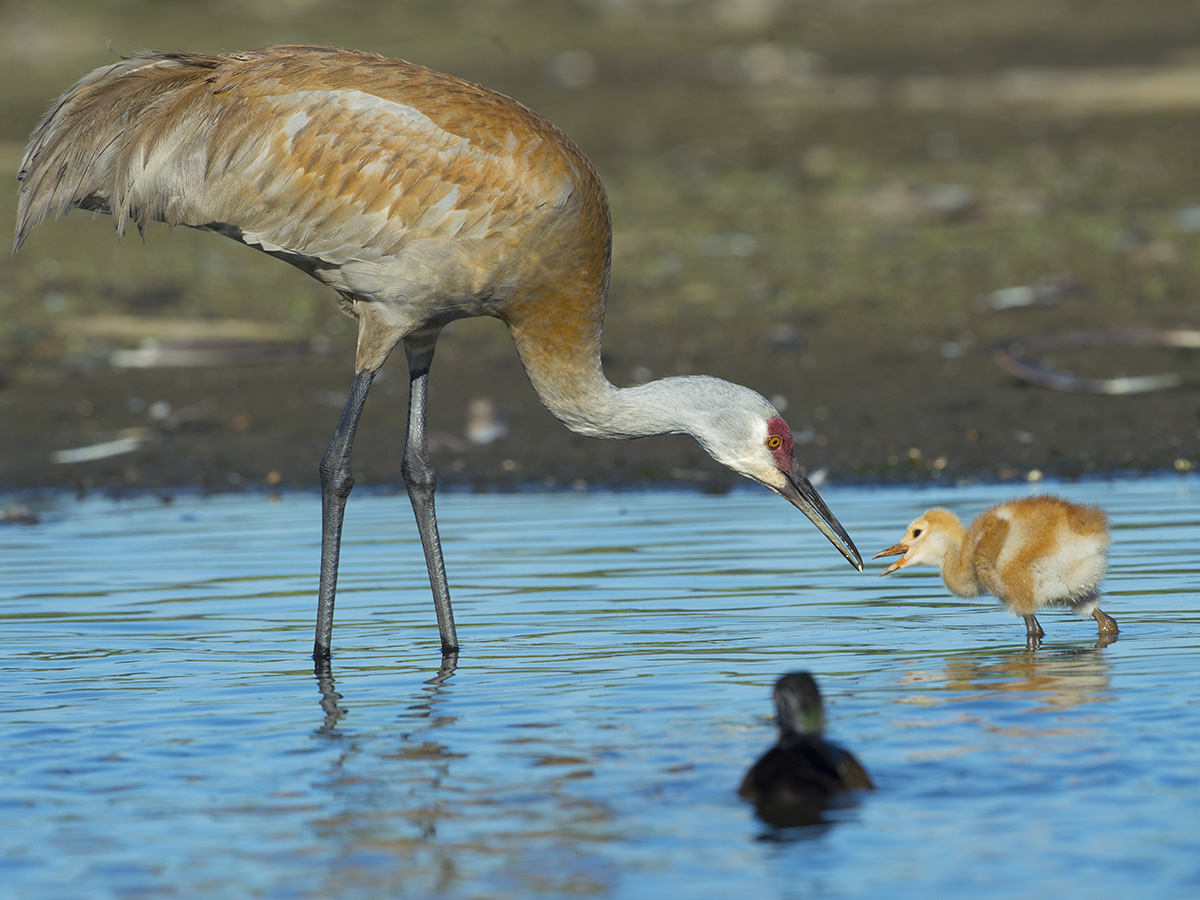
1017,358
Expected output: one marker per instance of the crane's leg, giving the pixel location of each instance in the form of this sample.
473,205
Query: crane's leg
1033,628
421,481
337,480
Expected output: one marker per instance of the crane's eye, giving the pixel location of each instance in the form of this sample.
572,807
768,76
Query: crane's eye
916,532
774,442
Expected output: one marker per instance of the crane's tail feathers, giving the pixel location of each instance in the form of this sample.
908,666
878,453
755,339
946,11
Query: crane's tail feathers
96,149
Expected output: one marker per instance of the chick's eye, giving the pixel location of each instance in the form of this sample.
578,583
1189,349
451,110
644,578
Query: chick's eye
916,532
774,442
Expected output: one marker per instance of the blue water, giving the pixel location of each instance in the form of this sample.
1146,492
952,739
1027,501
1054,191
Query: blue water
164,734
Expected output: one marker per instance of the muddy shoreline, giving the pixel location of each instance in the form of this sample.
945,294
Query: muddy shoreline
928,418
821,206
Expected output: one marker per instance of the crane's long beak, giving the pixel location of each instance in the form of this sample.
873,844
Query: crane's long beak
894,550
801,494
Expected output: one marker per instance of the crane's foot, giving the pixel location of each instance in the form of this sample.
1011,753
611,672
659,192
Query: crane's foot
1107,624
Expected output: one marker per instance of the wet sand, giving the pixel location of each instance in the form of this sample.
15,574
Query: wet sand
864,406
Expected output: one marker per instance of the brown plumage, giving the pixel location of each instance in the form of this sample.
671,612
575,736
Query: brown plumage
419,198
1030,553
376,176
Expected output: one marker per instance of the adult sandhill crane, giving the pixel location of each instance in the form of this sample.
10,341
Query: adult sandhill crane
1030,553
419,198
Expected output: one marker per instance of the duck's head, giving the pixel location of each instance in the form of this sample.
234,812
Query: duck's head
798,704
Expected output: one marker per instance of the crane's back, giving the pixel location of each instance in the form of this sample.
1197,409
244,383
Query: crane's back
380,134
386,180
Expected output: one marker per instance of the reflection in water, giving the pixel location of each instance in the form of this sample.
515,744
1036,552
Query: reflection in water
406,806
329,695
422,708
158,732
427,701
365,796
1034,641
1058,680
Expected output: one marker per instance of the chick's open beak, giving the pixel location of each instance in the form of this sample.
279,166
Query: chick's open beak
801,494
894,550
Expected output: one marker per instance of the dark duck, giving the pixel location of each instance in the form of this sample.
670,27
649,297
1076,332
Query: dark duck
803,774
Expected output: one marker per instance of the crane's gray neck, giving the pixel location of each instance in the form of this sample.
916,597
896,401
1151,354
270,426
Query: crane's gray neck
718,414
659,407
699,405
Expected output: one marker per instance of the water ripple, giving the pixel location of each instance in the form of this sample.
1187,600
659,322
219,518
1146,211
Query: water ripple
165,734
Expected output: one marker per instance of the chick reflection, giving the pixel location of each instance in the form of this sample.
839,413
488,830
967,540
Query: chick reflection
1054,681
803,774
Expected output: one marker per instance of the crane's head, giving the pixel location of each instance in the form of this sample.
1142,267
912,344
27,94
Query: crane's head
926,541
751,438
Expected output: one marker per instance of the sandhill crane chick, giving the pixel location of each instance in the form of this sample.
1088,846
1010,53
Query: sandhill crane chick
1030,553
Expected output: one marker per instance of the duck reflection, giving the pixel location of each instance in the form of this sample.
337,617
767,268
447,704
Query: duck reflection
798,779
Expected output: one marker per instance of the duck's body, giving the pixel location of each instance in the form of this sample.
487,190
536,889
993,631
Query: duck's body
796,779
1029,553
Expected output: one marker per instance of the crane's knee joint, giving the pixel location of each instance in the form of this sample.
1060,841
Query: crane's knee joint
338,479
418,473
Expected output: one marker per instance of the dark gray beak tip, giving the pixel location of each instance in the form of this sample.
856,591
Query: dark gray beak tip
804,497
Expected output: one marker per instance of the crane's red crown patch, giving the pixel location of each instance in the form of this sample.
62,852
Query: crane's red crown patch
779,442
